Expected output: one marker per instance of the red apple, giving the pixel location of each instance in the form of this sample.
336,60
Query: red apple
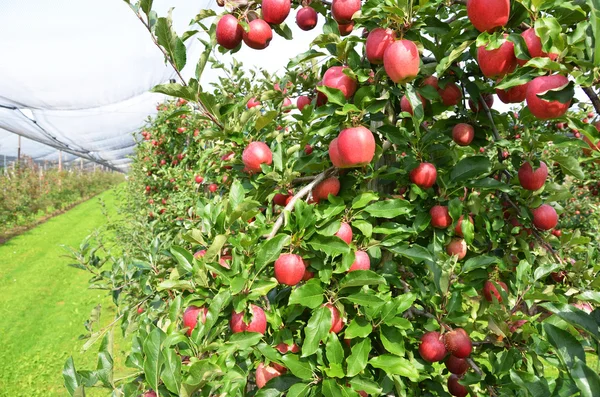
541,108
458,228
275,11
259,34
401,61
490,291
229,32
334,77
361,261
255,154
140,309
150,393
377,42
199,179
257,324
302,101
458,343
212,187
190,317
306,18
534,46
463,134
477,107
544,217
325,188
337,322
498,62
356,146
530,179
265,373
284,348
456,365
289,269
200,254
458,247
286,105
514,94
342,10
424,175
440,218
432,348
253,102
487,15
405,105
308,149
455,388
432,81
334,154
450,94
345,232
280,199
345,28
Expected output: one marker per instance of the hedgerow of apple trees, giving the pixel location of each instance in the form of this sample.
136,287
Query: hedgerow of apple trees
397,236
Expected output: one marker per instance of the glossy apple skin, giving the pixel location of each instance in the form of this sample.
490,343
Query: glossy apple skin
432,348
257,324
150,393
456,365
378,41
253,102
424,175
289,269
345,232
458,228
440,217
265,373
499,62
405,105
401,61
334,154
356,146
280,199
458,343
259,35
541,108
306,18
199,179
275,11
530,179
545,217
432,81
490,291
361,261
514,94
323,189
457,247
487,15
342,10
345,28
229,32
190,317
534,46
334,77
337,322
455,388
213,187
463,134
255,154
302,102
451,94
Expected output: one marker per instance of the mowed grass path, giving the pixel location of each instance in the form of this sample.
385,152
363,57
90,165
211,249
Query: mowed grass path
44,303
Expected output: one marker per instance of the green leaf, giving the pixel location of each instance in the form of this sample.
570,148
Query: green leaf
172,44
595,23
530,382
394,365
244,340
567,346
71,377
470,168
330,388
215,248
270,250
570,166
389,208
305,56
316,330
334,350
183,258
309,295
299,390
575,317
392,339
358,278
333,95
363,199
171,373
331,246
479,262
365,227
357,361
416,253
265,119
545,270
104,366
593,296
175,90
359,327
146,6
283,30
153,360
586,379
298,367
453,56
562,94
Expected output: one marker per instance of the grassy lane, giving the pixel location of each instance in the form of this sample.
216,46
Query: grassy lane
43,304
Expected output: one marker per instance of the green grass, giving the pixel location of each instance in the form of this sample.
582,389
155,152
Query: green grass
44,303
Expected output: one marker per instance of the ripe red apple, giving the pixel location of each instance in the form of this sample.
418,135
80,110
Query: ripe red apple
345,232
534,46
280,199
213,187
541,108
190,317
289,269
458,247
150,393
342,10
356,146
432,348
455,388
405,105
440,217
530,179
275,11
199,179
463,134
337,322
544,217
325,188
229,32
424,175
458,343
255,154
450,94
401,61
285,348
334,77
140,309
308,149
498,62
302,101
487,15
458,228
307,275
257,324
334,154
432,81
361,261
345,28
259,34
253,102
514,94
490,290
265,373
377,42
456,365
306,18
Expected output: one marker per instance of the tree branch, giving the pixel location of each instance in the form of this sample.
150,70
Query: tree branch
474,366
593,97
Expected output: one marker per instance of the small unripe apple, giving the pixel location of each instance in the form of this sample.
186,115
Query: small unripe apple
450,94
259,34
456,365
289,269
229,32
275,11
432,348
463,134
334,77
401,61
455,388
361,261
190,317
325,188
424,175
458,343
440,217
306,18
377,42
457,247
530,179
342,10
337,322
487,15
265,373
541,108
490,291
498,62
255,154
257,324
302,102
544,217
345,232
